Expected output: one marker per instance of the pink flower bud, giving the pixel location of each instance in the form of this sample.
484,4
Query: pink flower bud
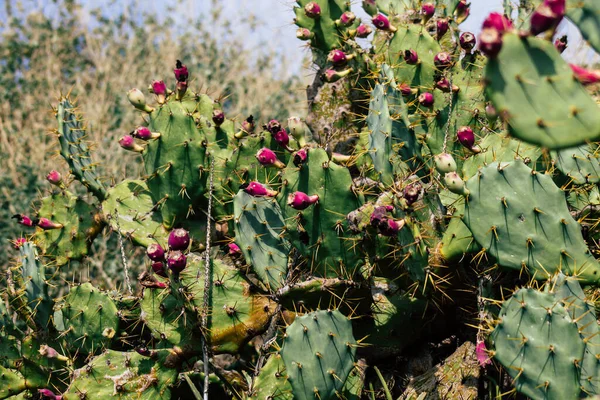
143,133
301,201
312,10
428,10
304,34
585,76
159,88
267,158
46,224
234,250
54,178
442,27
331,75
256,189
23,219
128,143
426,99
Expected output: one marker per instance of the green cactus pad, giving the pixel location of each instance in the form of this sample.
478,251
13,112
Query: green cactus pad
318,351
320,232
327,35
81,224
538,96
90,319
175,162
584,14
538,344
580,164
11,383
521,218
138,219
75,149
237,313
272,381
124,375
259,233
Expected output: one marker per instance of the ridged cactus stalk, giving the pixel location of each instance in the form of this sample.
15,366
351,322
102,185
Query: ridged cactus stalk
441,189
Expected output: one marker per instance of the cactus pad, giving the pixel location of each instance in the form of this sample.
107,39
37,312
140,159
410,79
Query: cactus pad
580,164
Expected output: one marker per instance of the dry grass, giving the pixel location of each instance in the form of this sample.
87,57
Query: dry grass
98,59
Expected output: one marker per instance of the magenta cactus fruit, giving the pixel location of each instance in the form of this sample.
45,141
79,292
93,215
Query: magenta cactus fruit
312,10
48,394
561,43
143,133
300,157
382,23
46,224
273,126
390,227
218,117
498,22
406,90
466,137
301,201
467,41
426,99
282,138
585,76
442,60
181,72
428,10
257,189
23,219
411,57
128,143
331,75
234,250
179,239
444,163
155,252
558,7
443,84
482,355
159,268
363,31
346,19
176,261
267,158
544,19
54,177
490,42
304,34
378,215
442,26
337,58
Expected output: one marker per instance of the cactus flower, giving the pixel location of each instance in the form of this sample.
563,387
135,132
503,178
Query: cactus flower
143,133
312,10
304,34
382,23
181,72
218,117
46,224
17,243
300,157
482,354
444,163
234,250
442,27
467,41
160,90
128,143
155,252
426,99
267,158
363,31
301,201
411,57
48,394
256,189
176,261
585,76
54,178
23,219
179,239
442,60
